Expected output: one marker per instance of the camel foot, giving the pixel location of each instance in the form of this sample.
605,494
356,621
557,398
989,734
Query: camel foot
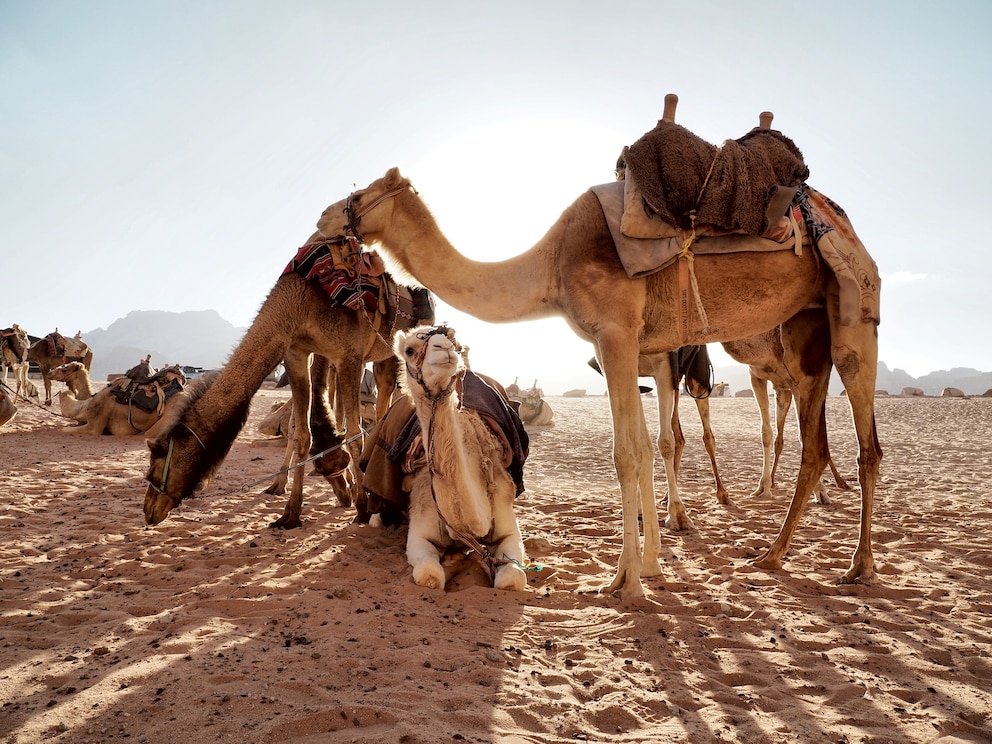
722,497
767,562
820,495
286,523
429,575
678,521
650,568
623,589
858,575
761,491
275,489
511,578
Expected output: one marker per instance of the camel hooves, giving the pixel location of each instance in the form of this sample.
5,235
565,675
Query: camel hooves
284,523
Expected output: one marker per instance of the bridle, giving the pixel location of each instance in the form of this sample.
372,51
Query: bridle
163,483
355,215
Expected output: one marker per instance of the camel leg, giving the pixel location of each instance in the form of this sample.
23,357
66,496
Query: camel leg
385,383
855,355
510,546
633,459
700,396
807,356
349,383
425,534
783,401
298,370
333,465
48,387
760,388
670,444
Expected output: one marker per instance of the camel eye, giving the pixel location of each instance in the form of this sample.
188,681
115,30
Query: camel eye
409,351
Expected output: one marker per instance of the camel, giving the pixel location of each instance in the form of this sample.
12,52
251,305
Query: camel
103,413
297,320
575,272
463,494
14,355
764,356
65,350
7,408
76,377
533,410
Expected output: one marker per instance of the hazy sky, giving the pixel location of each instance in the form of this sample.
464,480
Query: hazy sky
173,156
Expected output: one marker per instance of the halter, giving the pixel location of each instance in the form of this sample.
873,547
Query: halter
355,215
160,488
417,375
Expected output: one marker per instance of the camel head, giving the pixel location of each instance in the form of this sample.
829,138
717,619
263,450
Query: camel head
366,211
432,361
67,371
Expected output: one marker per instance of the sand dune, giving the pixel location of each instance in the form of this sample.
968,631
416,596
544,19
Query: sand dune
212,627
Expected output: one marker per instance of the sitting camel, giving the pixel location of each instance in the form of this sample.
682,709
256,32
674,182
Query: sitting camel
463,492
7,408
533,410
105,413
76,377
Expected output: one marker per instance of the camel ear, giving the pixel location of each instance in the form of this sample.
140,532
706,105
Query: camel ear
393,176
156,447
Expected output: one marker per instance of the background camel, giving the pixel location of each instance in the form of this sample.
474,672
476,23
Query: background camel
7,408
575,271
103,414
14,355
76,377
298,319
66,350
463,494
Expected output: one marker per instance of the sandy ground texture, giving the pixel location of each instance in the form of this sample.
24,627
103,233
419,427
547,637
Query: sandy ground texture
211,627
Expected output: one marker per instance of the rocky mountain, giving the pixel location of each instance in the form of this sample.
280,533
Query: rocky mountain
199,338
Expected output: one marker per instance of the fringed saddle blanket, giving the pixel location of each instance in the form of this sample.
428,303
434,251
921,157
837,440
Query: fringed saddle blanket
824,221
394,449
357,279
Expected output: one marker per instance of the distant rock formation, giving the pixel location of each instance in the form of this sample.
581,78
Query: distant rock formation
912,392
952,392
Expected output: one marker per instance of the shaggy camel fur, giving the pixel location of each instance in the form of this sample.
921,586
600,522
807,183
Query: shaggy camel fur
76,377
463,495
296,320
574,271
76,350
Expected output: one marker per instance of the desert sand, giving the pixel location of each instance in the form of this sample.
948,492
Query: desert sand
211,627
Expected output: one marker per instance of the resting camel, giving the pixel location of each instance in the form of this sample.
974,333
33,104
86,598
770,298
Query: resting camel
297,320
14,355
72,350
533,410
76,377
102,413
574,271
7,408
464,494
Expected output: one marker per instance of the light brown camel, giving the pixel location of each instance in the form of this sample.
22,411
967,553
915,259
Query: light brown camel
464,493
66,350
297,320
534,410
764,356
76,377
102,414
7,408
574,271
14,355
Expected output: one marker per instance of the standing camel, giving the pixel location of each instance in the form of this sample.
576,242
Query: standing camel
464,493
297,321
574,271
14,355
764,356
65,350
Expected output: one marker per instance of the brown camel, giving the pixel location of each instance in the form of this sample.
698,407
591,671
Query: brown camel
298,319
7,408
55,350
76,377
103,414
574,271
764,355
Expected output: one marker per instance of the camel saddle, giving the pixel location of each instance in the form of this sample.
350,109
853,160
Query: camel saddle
356,278
394,448
147,389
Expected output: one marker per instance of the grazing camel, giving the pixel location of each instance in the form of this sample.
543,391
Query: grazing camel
297,320
76,377
54,350
464,493
14,355
575,271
